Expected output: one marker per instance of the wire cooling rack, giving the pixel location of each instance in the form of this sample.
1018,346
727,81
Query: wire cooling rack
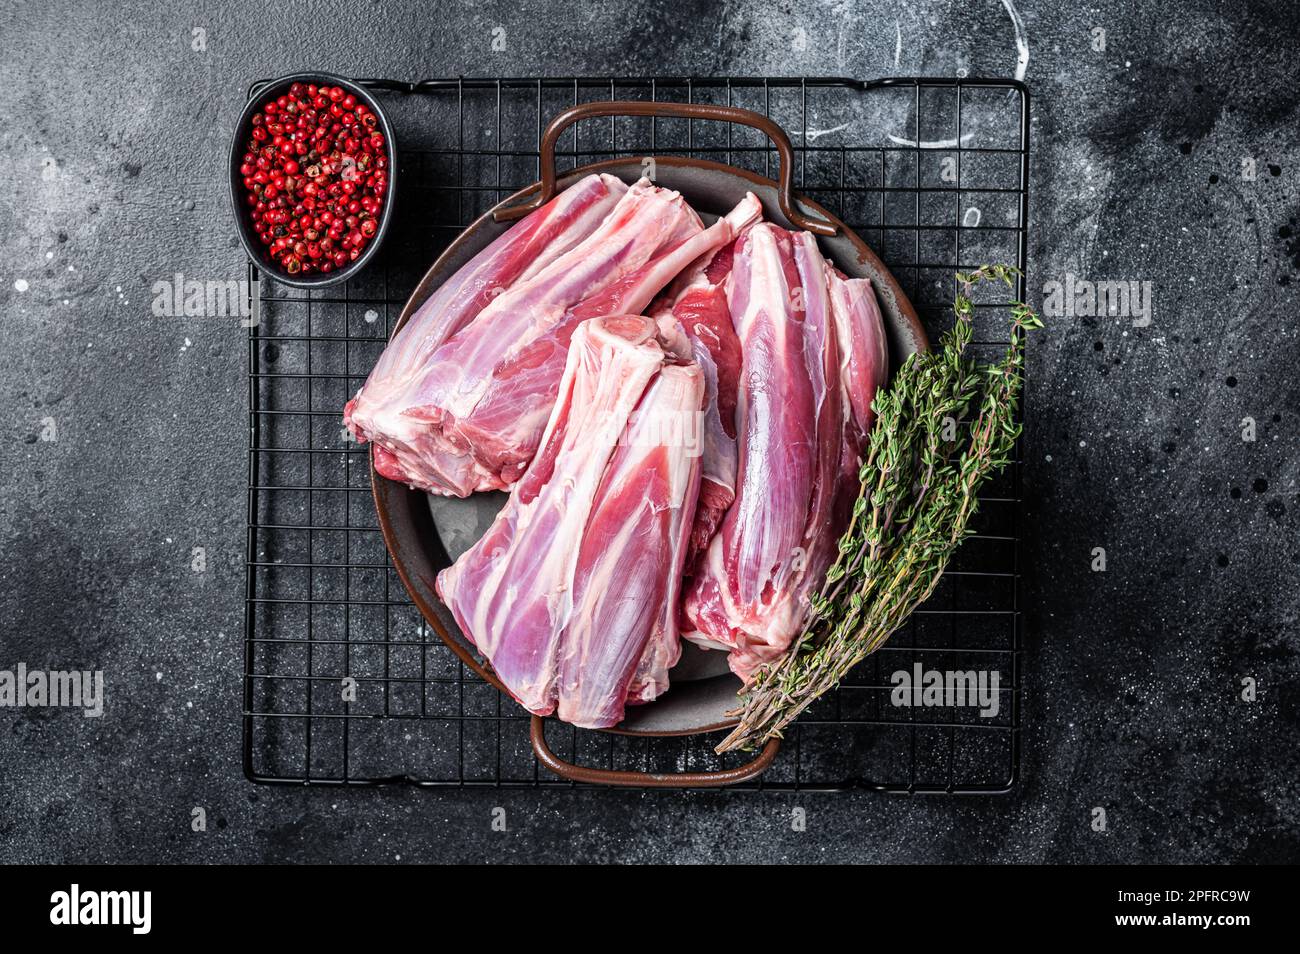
931,172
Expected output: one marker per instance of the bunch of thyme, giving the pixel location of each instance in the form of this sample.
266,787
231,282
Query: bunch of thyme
920,479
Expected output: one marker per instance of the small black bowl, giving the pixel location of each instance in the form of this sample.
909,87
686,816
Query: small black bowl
243,130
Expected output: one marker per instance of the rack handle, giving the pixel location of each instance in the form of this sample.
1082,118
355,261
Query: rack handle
729,114
629,779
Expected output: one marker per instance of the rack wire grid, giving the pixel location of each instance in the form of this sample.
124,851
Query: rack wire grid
931,172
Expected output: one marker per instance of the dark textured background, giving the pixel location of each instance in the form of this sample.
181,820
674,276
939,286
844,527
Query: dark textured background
114,134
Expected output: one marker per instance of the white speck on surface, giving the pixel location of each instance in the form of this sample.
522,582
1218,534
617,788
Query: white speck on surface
371,316
814,134
157,677
21,285
932,143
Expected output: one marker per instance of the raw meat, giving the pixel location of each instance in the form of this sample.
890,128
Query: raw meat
864,368
749,594
377,411
571,593
484,398
495,401
629,573
696,306
864,360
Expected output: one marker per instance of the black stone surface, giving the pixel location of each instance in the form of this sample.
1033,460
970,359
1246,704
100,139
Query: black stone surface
114,133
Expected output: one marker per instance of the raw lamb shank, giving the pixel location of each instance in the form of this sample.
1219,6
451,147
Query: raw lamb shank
694,308
806,384
408,449
472,417
572,593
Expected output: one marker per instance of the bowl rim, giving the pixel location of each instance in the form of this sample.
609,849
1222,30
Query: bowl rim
259,93
380,485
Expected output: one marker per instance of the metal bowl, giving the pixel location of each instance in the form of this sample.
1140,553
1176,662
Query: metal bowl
425,533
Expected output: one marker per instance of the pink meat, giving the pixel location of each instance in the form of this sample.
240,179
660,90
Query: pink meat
695,307
623,637
484,398
749,594
864,358
864,368
571,593
377,411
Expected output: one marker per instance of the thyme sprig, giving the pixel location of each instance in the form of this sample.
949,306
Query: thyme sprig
920,479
